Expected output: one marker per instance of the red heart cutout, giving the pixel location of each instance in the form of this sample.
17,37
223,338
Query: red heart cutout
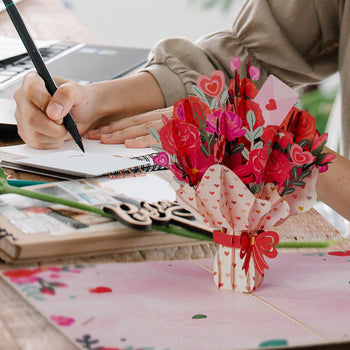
271,105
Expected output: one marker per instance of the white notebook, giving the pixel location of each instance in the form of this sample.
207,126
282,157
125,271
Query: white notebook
80,164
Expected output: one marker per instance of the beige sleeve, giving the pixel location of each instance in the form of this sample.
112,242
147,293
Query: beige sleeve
296,40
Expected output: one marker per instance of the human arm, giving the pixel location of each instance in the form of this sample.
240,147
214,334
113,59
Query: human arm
333,186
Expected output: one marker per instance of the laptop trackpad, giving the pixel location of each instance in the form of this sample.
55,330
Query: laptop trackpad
97,63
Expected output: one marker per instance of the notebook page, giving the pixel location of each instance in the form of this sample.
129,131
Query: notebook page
80,164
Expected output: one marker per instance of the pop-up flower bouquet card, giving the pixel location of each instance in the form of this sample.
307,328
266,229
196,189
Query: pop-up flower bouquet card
244,160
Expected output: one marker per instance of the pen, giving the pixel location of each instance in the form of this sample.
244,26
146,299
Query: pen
40,66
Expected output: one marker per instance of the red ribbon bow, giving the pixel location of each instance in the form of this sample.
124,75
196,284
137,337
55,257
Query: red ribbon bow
262,244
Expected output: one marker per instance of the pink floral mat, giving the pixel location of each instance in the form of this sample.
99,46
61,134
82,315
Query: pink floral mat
304,299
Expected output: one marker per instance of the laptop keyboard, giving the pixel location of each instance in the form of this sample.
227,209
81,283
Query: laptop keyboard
13,66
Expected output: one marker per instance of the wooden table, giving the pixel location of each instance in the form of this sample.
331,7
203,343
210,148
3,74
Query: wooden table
21,326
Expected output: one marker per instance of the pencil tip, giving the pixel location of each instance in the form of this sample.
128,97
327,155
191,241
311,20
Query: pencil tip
81,146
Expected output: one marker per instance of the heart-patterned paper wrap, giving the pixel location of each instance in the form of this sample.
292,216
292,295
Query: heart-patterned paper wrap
243,223
246,161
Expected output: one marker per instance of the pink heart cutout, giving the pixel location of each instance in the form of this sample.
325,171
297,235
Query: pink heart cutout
161,159
212,86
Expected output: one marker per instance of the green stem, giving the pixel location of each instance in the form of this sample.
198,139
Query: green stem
52,199
180,231
305,244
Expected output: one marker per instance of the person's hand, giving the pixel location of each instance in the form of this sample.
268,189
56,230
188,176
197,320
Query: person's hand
132,131
40,116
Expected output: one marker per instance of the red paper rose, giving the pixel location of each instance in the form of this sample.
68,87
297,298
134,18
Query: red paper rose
301,124
191,110
178,137
283,137
277,168
244,106
245,173
243,170
248,88
258,158
191,167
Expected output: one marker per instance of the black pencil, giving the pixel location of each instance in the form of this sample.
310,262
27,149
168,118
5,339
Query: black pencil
40,66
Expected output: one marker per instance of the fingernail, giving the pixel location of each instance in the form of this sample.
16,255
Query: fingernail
54,110
94,132
106,136
131,141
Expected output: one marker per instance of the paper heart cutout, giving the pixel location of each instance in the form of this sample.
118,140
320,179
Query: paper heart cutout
161,159
299,156
271,105
212,86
